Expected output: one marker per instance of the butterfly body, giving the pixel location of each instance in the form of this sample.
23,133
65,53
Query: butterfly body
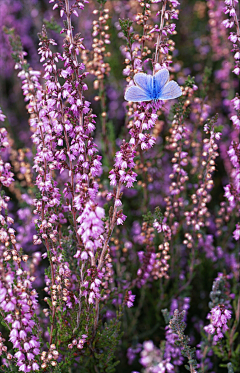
153,87
155,92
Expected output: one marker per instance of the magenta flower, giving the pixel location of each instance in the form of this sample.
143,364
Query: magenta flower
35,366
236,233
22,334
23,368
130,299
218,326
26,346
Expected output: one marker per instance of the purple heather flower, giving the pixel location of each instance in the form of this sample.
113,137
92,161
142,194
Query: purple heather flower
35,366
130,299
23,368
219,317
152,360
26,346
22,334
236,233
2,116
131,353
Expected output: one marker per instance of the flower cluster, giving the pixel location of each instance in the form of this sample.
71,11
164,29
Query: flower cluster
51,357
90,230
162,227
144,119
220,313
152,360
219,318
163,44
78,343
122,174
234,36
129,299
232,190
93,285
132,352
236,233
6,176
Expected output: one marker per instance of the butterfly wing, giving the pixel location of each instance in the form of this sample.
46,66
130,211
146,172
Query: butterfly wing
136,94
160,79
144,81
169,91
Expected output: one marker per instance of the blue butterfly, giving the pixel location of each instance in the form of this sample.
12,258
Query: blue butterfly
156,87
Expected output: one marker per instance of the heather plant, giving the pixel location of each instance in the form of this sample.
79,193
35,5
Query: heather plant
120,199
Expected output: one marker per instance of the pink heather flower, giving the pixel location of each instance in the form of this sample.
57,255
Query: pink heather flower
227,23
9,318
35,366
148,346
130,299
232,154
209,329
30,356
84,255
22,334
3,293
26,346
126,71
229,195
19,355
232,12
236,102
162,227
236,70
34,343
2,116
169,367
219,317
230,2
236,233
233,37
151,359
9,306
175,3
118,202
121,218
237,55
131,353
14,333
91,226
23,368
16,324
